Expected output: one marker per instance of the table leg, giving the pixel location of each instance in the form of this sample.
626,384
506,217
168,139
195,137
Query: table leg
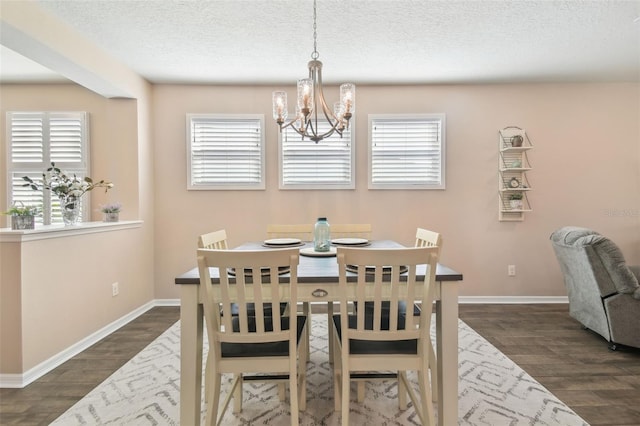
447,343
190,355
329,328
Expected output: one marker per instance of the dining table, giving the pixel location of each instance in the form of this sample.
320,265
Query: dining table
318,283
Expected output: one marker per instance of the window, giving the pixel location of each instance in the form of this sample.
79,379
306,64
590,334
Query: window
225,151
328,164
35,139
407,151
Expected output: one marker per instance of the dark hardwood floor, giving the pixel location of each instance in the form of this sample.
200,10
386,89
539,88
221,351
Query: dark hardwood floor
602,386
576,365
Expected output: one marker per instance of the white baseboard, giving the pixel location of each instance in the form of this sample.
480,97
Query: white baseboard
22,380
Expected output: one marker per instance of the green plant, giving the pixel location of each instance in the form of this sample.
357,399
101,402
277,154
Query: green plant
69,189
111,208
516,196
22,210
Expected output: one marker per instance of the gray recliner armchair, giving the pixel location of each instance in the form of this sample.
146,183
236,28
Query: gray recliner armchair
604,294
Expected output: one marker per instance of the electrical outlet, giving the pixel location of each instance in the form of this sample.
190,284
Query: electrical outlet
511,270
114,289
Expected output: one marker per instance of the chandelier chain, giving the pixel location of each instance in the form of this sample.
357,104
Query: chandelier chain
315,53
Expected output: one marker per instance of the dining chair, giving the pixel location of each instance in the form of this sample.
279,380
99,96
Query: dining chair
303,231
213,240
351,230
218,240
259,343
424,238
427,238
370,342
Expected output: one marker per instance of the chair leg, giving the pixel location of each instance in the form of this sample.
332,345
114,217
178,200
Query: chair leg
433,370
293,389
345,391
361,390
282,392
428,417
237,395
213,398
302,369
402,393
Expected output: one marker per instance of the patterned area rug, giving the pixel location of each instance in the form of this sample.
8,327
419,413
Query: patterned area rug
492,391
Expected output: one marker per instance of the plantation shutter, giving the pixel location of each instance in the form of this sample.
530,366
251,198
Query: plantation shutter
226,152
407,152
327,164
35,140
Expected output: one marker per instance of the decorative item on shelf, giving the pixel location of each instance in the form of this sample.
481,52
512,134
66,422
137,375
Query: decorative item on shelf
514,183
111,212
516,141
515,201
22,217
516,164
312,106
68,188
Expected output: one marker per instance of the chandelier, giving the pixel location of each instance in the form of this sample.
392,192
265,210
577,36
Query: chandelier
311,104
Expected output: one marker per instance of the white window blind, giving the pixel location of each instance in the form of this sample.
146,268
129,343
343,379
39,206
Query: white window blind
407,151
327,164
35,139
225,152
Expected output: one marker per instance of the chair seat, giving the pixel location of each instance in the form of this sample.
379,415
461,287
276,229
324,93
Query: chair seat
261,349
377,347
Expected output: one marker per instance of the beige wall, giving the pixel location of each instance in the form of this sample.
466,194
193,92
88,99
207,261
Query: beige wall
586,162
60,289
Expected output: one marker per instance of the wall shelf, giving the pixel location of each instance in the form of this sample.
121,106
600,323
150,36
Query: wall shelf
513,166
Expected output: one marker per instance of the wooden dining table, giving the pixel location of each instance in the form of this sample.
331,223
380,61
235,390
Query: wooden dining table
317,283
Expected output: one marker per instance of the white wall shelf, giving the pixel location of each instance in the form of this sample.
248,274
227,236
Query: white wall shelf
513,165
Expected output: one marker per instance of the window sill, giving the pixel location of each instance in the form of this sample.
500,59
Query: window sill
42,232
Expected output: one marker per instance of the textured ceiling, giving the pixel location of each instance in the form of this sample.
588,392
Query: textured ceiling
373,41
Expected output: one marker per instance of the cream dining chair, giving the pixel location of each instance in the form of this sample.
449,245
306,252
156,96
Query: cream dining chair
213,240
303,231
351,230
245,343
382,338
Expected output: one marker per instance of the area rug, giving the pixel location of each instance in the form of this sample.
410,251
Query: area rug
493,391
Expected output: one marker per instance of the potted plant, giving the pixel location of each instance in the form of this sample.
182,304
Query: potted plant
111,212
515,201
22,217
68,188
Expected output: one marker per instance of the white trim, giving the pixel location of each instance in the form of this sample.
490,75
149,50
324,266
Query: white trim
7,235
487,300
22,380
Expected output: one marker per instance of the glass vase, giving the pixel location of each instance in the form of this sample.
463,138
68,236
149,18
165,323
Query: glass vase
70,207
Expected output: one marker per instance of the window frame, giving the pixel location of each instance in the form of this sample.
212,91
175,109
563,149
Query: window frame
50,214
350,185
231,185
441,117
